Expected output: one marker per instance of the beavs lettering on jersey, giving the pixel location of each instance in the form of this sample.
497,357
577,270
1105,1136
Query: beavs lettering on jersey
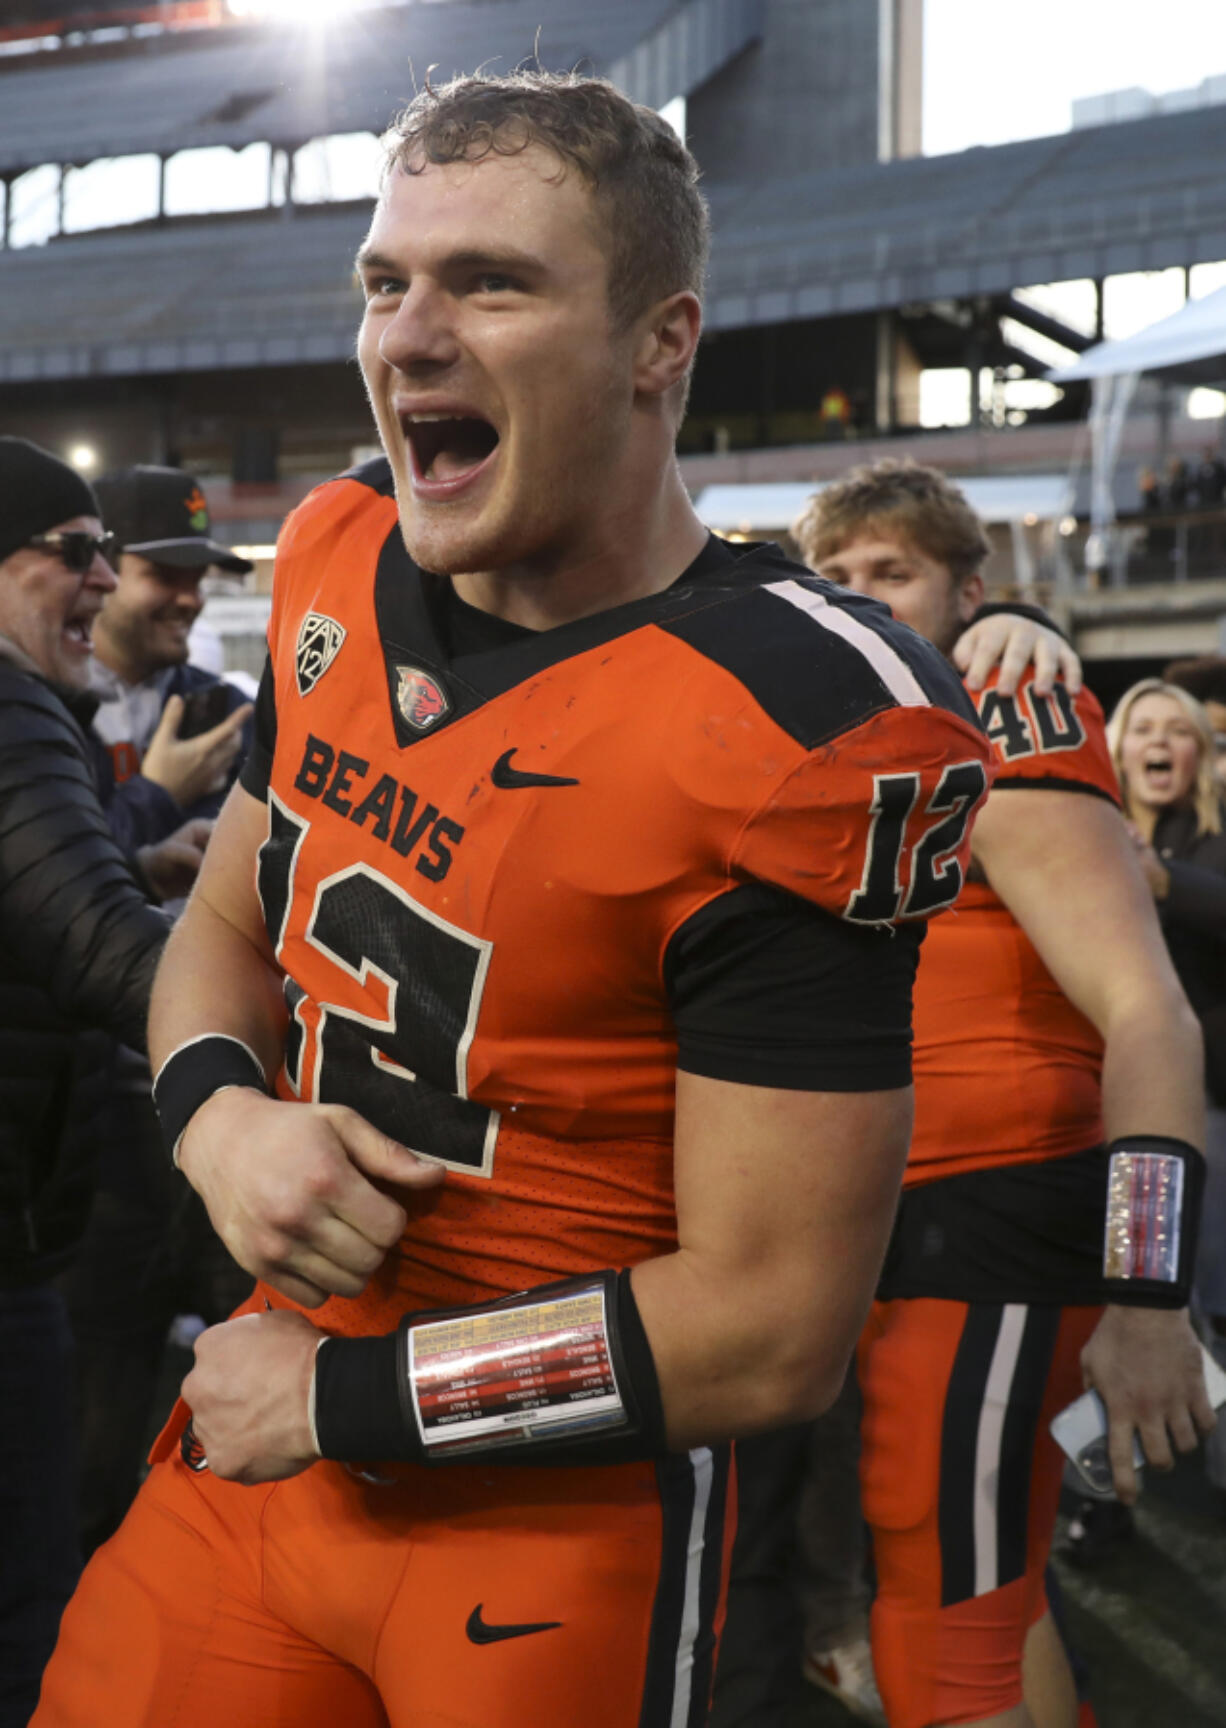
394,812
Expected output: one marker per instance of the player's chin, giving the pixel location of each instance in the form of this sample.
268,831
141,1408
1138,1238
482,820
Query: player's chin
451,545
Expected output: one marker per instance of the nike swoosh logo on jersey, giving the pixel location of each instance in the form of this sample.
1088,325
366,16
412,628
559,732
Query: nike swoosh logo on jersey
508,778
480,1632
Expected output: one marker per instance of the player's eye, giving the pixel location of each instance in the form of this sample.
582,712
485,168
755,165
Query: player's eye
496,282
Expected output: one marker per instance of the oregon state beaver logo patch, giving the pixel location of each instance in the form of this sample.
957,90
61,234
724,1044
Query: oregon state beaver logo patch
319,642
420,698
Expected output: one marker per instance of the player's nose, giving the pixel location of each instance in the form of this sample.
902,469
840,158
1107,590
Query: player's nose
422,332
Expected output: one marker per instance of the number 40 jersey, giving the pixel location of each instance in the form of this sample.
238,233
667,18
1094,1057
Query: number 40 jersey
515,879
1007,1070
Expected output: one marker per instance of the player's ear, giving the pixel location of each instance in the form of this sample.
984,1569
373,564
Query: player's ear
970,597
668,338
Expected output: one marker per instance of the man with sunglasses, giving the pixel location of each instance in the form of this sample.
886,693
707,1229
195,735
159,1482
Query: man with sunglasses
79,941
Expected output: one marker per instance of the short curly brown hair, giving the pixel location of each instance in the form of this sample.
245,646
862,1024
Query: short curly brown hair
643,179
906,499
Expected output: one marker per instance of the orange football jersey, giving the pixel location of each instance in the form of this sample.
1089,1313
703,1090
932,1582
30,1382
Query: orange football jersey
475,864
1007,1071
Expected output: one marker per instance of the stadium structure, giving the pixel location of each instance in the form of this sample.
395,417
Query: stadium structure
845,262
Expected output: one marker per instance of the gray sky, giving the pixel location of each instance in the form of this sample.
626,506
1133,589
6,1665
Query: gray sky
995,70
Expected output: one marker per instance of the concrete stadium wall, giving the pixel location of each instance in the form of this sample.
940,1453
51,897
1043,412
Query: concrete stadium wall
805,97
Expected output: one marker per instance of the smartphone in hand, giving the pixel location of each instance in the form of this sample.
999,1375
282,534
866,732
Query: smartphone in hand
1080,1431
203,709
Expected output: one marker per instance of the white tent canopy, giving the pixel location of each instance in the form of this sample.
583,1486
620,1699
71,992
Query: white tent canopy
750,509
1192,340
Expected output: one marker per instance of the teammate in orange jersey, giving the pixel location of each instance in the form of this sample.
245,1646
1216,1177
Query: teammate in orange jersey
1045,1008
559,860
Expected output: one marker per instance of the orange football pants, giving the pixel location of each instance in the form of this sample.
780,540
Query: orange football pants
960,1482
441,1598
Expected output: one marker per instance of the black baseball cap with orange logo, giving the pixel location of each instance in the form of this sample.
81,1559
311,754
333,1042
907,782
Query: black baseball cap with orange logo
161,513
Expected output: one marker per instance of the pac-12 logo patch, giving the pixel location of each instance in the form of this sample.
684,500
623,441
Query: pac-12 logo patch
319,642
420,698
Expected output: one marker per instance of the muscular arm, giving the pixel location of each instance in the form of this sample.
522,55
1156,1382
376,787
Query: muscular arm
1063,864
784,1206
287,1186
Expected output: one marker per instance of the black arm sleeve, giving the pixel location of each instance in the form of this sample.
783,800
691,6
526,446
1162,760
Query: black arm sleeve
257,769
74,921
766,990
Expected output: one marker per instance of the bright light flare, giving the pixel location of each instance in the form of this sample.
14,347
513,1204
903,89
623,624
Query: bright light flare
315,14
84,457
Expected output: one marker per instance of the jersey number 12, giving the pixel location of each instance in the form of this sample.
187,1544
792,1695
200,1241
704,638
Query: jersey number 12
404,1065
935,873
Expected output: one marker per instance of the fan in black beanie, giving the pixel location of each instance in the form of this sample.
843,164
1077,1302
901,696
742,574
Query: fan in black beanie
78,947
37,493
50,593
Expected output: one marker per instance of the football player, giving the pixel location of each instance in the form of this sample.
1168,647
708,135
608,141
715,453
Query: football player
539,1030
1045,1234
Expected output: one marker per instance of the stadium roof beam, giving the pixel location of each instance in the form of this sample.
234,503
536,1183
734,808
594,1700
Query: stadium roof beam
270,83
1043,324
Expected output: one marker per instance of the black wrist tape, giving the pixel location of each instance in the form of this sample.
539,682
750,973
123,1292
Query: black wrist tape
192,1073
1018,609
1154,1191
560,1375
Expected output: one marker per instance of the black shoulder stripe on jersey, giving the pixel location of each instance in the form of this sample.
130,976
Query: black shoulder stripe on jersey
375,473
938,679
811,681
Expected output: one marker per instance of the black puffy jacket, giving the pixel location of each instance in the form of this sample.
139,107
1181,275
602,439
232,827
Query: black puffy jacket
79,944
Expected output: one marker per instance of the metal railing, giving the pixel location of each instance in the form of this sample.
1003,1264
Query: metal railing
1188,546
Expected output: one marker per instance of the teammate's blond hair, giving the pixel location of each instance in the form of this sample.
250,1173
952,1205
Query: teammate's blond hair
905,498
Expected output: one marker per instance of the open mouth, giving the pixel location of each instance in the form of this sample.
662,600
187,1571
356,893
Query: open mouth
78,630
1158,768
448,448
